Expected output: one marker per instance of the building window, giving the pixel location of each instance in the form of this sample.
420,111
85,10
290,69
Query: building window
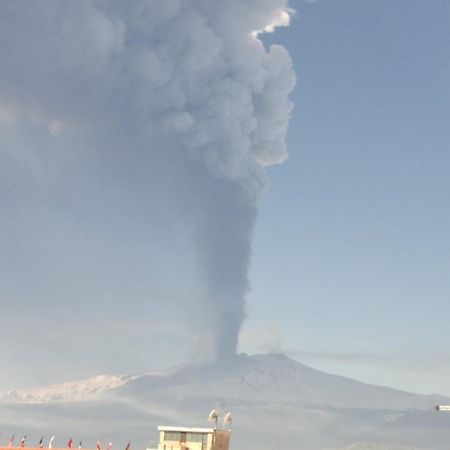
172,436
194,437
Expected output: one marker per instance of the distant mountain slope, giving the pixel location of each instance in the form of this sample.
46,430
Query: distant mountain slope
274,378
67,392
375,446
277,403
261,378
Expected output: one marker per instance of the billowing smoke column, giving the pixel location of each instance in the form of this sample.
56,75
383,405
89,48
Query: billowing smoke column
185,87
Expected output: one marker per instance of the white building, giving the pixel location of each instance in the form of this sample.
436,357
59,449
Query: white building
182,438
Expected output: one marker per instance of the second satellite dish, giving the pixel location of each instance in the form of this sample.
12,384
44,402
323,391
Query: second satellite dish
227,419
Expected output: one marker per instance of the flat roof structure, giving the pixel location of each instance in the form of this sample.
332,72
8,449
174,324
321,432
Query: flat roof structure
192,438
186,429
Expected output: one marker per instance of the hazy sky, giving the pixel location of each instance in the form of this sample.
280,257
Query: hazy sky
351,262
134,142
351,251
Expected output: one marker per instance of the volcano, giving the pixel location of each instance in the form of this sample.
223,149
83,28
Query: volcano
276,402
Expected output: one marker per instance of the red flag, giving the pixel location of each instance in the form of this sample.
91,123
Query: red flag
69,444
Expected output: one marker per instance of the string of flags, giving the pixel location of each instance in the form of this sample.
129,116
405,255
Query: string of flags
69,445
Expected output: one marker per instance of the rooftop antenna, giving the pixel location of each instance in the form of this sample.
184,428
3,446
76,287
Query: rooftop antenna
213,417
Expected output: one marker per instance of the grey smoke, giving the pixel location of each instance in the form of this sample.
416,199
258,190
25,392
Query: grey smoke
175,102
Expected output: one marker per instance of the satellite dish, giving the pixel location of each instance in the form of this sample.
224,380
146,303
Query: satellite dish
213,416
227,419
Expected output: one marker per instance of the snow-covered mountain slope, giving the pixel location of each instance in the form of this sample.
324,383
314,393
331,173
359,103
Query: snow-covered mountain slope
68,392
273,378
276,403
260,378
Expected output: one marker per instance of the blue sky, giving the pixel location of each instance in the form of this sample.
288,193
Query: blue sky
353,241
100,228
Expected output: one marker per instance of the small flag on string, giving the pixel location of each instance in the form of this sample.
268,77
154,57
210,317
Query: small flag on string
41,442
110,446
80,444
128,446
69,444
51,442
99,446
22,442
11,441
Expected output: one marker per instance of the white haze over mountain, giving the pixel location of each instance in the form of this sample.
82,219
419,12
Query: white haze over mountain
134,138
275,402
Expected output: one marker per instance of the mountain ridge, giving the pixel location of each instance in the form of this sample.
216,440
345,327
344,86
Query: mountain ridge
275,402
281,378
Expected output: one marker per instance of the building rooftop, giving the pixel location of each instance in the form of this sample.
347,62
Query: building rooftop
186,429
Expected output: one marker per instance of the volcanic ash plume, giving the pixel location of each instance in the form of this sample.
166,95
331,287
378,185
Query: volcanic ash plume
183,87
